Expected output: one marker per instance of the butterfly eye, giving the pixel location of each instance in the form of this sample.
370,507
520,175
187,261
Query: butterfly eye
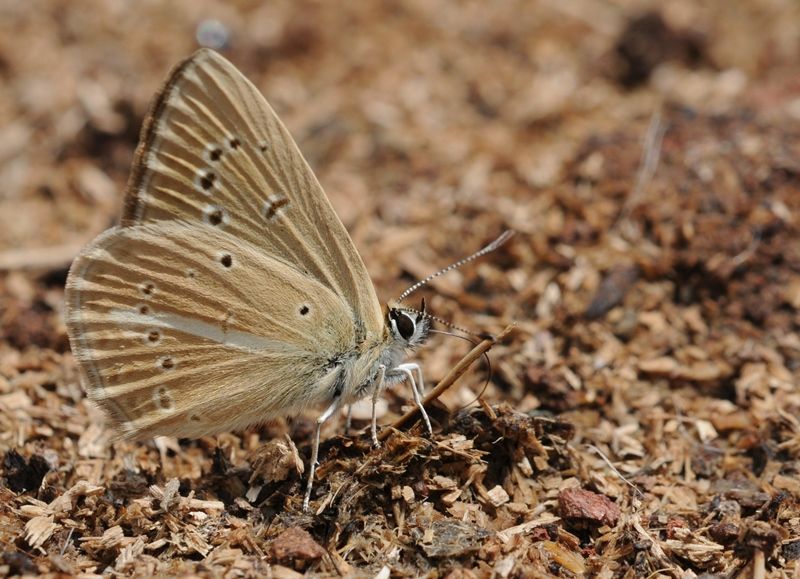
405,325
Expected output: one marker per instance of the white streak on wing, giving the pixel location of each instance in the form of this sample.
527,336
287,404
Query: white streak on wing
214,332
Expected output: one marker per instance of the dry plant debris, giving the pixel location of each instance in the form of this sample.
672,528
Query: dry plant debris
640,421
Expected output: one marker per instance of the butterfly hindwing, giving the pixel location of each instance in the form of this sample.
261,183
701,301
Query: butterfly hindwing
185,329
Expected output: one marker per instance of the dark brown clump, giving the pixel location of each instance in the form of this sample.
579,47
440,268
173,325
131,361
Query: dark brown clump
23,474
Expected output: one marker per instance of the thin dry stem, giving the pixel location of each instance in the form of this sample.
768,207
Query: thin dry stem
651,154
449,380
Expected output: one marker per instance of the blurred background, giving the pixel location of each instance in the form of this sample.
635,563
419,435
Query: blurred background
647,153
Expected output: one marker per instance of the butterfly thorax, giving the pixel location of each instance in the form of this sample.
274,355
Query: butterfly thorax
407,330
403,331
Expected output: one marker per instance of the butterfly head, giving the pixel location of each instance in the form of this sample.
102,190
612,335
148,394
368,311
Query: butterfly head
408,327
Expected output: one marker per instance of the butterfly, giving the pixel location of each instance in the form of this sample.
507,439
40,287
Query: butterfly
230,293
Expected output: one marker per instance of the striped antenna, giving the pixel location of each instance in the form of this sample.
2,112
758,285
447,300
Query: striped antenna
423,312
505,236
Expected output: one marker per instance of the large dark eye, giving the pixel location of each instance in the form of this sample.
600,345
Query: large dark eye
405,325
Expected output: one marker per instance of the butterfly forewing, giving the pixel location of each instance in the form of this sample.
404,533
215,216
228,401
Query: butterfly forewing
185,329
213,151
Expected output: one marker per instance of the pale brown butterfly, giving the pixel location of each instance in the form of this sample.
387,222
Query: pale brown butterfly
230,293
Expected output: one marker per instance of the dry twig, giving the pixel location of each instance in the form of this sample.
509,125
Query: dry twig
450,379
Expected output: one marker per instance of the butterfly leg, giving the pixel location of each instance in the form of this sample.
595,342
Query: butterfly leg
315,448
406,369
349,421
412,366
376,392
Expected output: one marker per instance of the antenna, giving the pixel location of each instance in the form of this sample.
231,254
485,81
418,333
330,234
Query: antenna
505,236
423,312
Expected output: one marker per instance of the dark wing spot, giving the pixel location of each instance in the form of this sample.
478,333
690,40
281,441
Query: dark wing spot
163,399
215,154
148,288
271,208
191,274
234,143
144,310
226,260
153,336
215,215
207,180
167,363
304,309
263,147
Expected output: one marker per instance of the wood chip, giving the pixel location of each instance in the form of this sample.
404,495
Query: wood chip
295,544
498,496
39,529
579,504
